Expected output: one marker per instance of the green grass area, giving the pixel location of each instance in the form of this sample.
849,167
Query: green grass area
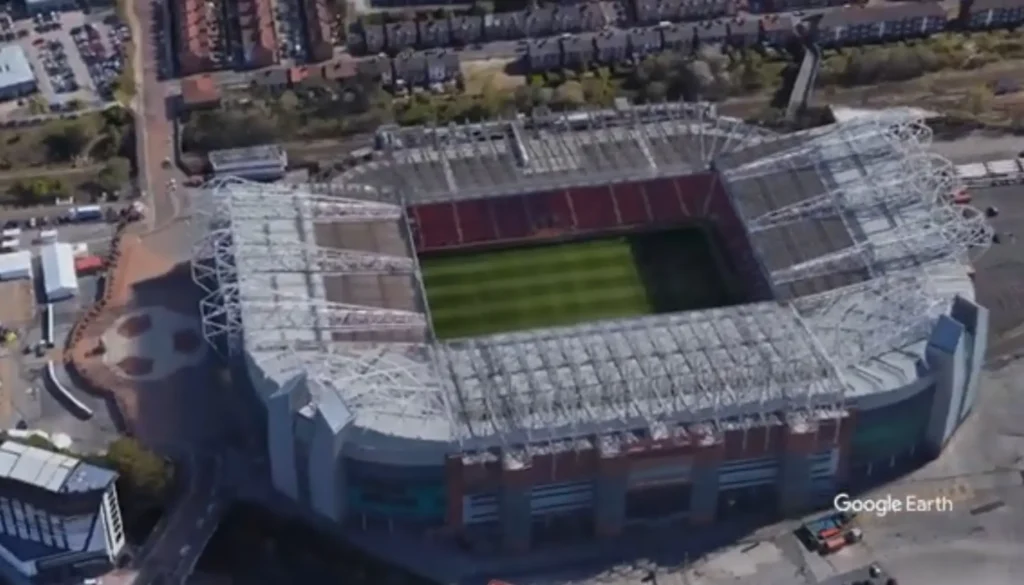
567,283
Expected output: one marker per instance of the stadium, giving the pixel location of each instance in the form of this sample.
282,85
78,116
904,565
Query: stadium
564,325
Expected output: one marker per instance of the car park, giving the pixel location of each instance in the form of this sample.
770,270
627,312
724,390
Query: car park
102,54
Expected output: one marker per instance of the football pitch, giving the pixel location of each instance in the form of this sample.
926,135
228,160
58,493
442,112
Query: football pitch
479,293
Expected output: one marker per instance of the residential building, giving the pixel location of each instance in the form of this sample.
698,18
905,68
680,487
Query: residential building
778,29
466,29
256,163
658,11
442,66
712,32
367,39
988,14
411,69
319,20
505,25
60,519
874,24
744,31
199,92
539,22
271,79
16,76
400,36
543,54
578,50
560,19
196,24
679,37
611,46
414,3
40,6
769,6
706,9
433,34
376,68
643,42
259,37
338,70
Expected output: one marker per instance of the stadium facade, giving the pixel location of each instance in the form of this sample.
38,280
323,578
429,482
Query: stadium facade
859,349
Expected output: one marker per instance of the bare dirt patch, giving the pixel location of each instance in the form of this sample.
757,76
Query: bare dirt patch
186,341
136,366
134,326
490,75
942,91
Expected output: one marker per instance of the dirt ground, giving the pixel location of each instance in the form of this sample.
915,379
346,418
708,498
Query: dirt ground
489,74
999,279
16,312
144,277
942,91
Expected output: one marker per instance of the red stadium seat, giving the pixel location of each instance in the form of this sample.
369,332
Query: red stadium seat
694,191
550,210
594,208
664,201
476,221
510,217
632,206
436,226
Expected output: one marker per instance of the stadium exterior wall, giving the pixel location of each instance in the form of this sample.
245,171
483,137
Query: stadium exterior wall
346,475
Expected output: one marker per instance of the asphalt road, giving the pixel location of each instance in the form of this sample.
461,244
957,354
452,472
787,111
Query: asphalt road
173,548
179,539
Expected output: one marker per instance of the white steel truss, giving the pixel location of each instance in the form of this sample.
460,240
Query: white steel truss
558,389
238,249
900,184
555,151
283,257
920,178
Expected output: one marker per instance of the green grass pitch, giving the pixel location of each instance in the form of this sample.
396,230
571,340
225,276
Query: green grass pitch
480,293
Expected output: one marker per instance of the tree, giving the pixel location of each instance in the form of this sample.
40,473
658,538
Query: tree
115,174
66,140
569,95
144,473
977,99
39,190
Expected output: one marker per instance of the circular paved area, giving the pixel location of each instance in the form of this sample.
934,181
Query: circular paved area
152,343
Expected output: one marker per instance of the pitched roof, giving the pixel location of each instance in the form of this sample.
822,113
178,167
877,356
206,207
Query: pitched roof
877,14
199,89
981,5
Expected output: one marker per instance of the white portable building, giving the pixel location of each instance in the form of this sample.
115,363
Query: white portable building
59,278
16,265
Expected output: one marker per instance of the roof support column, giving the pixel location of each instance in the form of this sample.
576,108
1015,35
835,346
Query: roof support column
799,445
610,490
514,510
707,459
455,488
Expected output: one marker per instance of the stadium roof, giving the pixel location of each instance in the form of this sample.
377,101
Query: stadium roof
50,471
851,221
14,67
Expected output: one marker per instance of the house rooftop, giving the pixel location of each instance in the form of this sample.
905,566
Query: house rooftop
873,14
199,89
